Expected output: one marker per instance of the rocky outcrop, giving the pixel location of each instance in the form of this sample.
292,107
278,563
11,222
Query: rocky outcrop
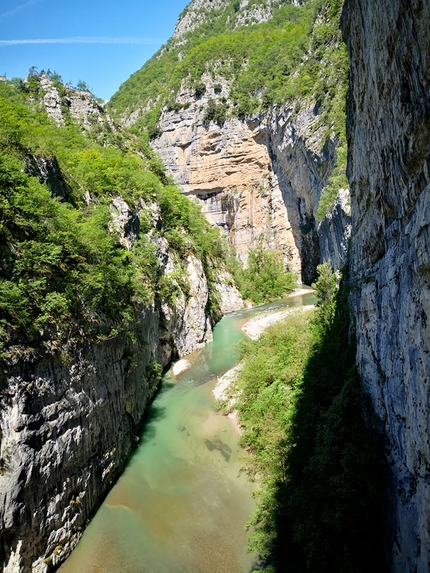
79,105
230,298
186,319
389,150
199,12
47,170
259,178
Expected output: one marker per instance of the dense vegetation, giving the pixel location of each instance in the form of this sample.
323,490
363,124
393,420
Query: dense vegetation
64,272
296,57
302,410
265,278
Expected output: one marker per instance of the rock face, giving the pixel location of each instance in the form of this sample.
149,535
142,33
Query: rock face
187,320
80,105
201,11
389,139
230,298
334,231
67,419
69,414
48,171
259,178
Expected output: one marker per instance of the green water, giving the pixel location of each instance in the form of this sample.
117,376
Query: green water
183,500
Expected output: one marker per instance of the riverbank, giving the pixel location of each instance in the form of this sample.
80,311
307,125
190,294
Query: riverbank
253,328
220,392
300,292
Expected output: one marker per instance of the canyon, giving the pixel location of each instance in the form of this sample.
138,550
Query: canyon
69,415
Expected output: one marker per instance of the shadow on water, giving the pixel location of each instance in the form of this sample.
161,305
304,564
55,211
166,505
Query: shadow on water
148,430
154,414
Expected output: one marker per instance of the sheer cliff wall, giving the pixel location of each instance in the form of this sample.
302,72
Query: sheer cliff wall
389,160
68,419
259,178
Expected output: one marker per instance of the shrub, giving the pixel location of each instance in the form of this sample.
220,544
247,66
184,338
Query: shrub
265,278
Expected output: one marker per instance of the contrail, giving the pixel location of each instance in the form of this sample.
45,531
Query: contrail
80,40
19,8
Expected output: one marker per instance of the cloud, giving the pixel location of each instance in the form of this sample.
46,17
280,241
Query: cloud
19,8
79,40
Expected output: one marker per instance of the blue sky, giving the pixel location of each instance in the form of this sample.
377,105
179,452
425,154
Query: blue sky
99,42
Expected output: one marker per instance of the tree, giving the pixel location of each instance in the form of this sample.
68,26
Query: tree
82,86
326,287
265,278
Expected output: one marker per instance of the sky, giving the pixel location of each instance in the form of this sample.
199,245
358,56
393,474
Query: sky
101,42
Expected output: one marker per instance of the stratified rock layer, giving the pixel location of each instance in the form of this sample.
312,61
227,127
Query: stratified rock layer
257,179
389,139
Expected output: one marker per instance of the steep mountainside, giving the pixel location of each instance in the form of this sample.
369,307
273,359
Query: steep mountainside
107,274
247,113
389,142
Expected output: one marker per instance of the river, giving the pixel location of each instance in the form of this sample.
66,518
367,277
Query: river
182,503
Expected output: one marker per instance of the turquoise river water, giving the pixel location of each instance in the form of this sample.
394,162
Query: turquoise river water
182,503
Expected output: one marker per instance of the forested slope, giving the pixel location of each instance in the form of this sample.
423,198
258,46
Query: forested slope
66,263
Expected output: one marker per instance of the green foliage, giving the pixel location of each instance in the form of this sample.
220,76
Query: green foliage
216,112
262,64
326,287
273,370
265,278
64,272
199,90
105,171
336,181
267,387
82,86
301,407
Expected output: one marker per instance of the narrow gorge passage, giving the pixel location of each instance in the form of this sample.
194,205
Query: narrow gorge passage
183,500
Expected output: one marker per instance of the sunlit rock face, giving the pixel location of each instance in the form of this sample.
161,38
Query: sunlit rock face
79,105
200,11
258,179
389,151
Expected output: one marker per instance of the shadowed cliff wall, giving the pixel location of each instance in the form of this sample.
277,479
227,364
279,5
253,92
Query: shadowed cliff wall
389,151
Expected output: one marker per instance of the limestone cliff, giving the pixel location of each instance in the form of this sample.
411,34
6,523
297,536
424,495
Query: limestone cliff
259,177
389,150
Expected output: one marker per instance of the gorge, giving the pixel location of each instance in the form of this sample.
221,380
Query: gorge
184,498
245,106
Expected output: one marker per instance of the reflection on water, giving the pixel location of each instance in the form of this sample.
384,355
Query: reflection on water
183,500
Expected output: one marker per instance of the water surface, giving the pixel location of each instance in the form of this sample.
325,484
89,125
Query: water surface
183,500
